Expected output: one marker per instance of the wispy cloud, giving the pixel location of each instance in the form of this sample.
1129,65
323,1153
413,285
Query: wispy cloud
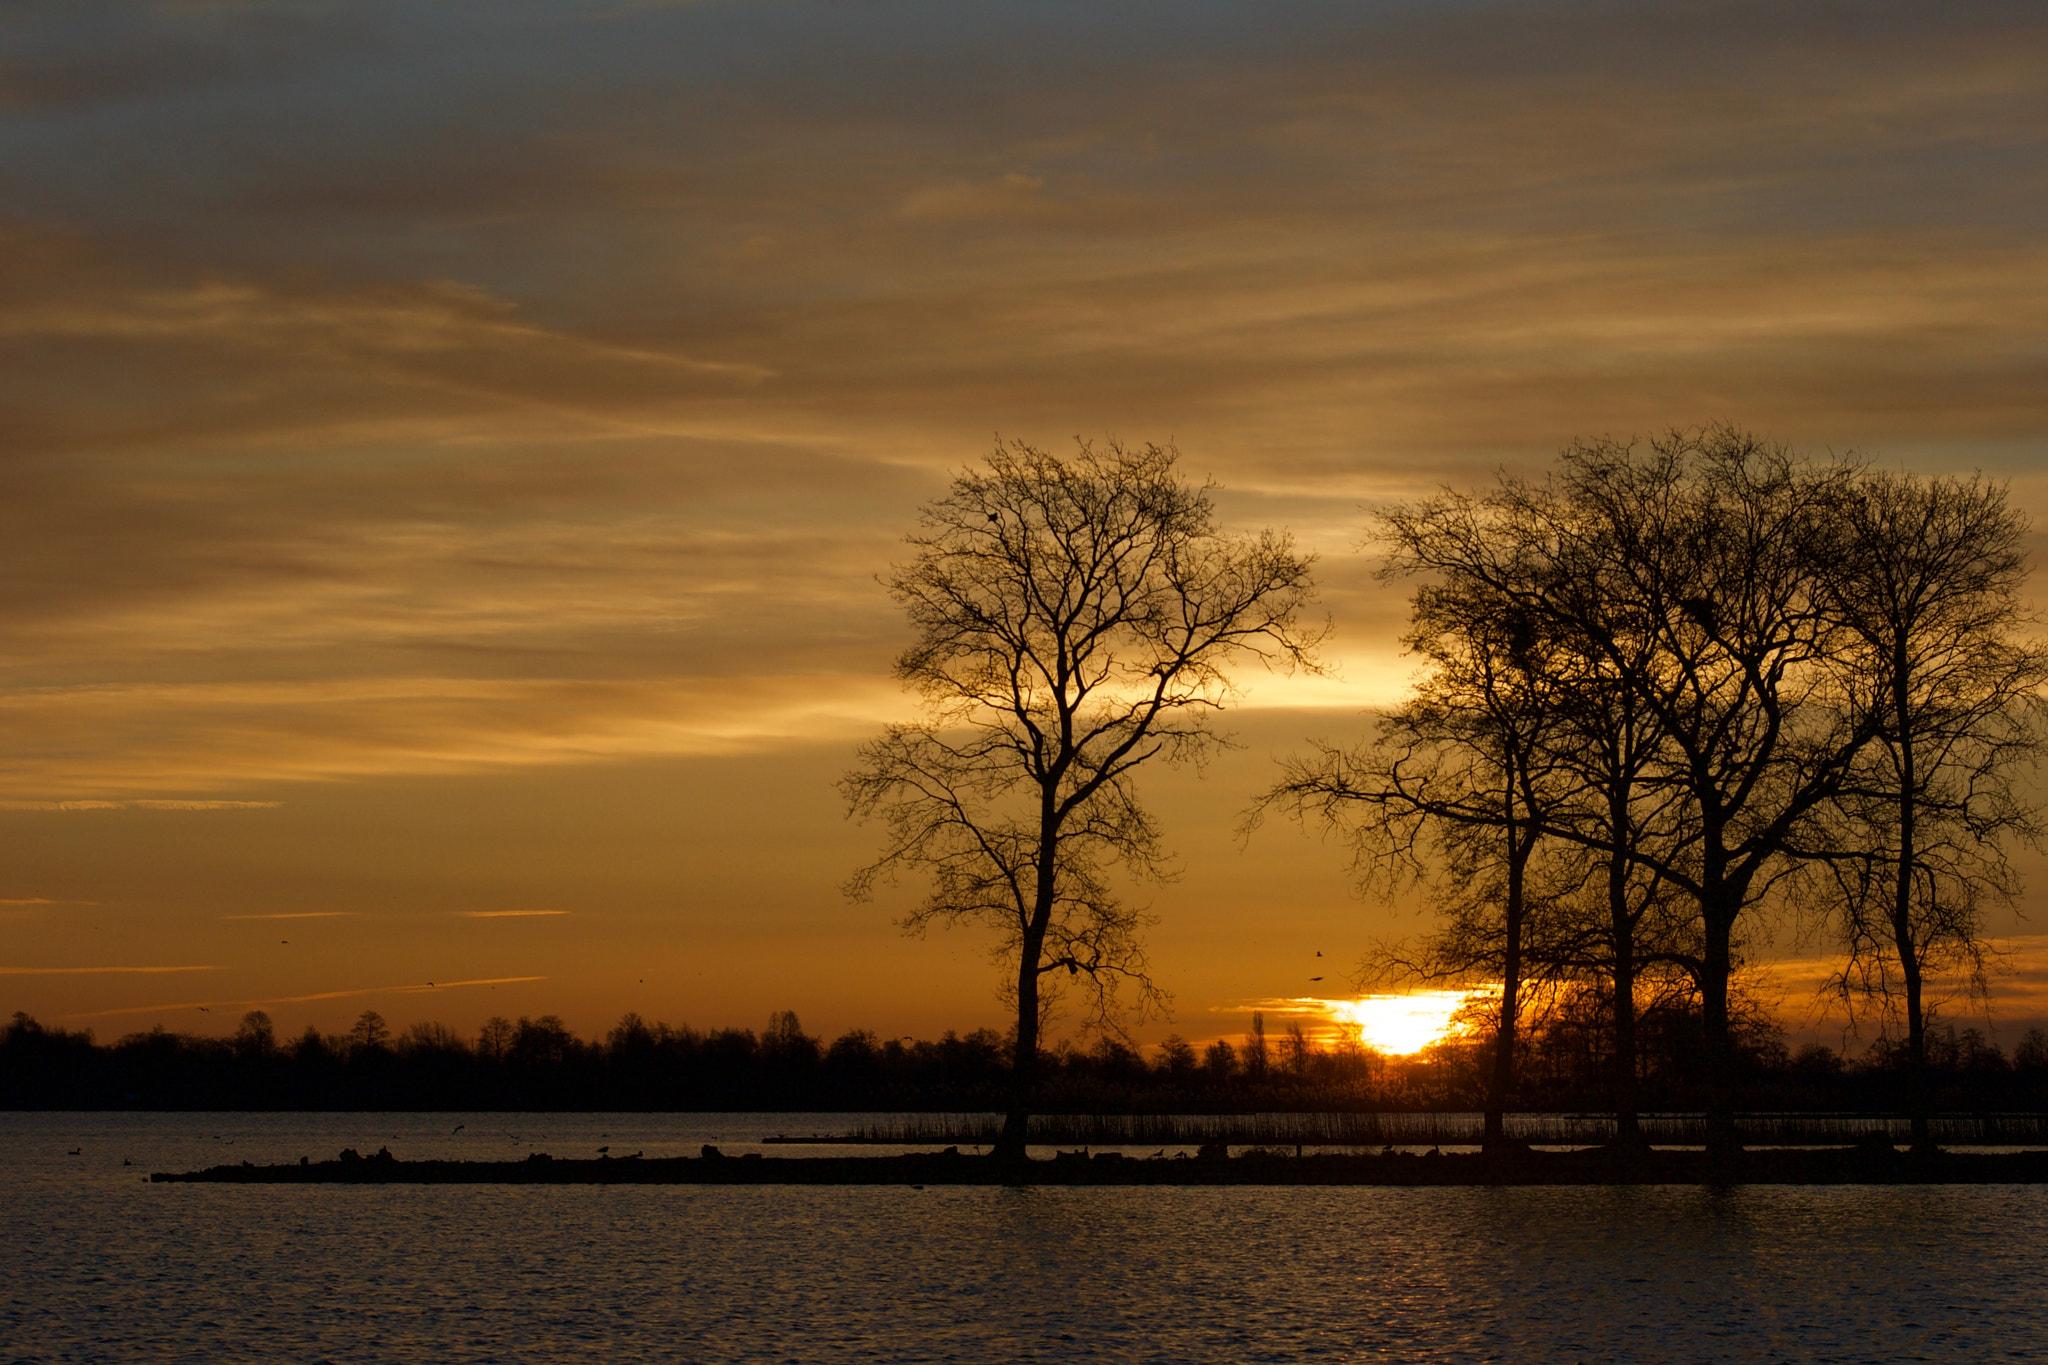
297,914
102,971
414,989
509,914
136,804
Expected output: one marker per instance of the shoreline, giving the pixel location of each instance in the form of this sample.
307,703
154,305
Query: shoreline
1862,1165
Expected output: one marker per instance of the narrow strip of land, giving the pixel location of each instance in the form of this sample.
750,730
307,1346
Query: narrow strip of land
1865,1165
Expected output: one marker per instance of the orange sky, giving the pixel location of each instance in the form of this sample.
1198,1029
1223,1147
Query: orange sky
448,449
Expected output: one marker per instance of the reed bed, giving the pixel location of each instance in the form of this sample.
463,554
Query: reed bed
1426,1129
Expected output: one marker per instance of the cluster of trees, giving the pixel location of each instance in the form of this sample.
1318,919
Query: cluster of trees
1674,689
532,1064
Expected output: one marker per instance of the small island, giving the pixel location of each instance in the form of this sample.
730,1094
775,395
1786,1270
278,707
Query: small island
1875,1161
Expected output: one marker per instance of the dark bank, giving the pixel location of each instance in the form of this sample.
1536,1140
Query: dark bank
1875,1161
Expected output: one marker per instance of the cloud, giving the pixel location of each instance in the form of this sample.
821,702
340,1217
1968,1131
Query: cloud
1007,196
510,914
2017,982
411,989
102,971
547,387
238,734
134,804
297,914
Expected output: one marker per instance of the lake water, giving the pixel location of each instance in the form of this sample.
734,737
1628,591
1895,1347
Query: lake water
101,1266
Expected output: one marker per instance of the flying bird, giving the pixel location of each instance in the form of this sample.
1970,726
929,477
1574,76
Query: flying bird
1315,978
1319,952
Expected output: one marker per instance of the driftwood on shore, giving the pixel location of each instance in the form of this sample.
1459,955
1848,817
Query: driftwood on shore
1870,1163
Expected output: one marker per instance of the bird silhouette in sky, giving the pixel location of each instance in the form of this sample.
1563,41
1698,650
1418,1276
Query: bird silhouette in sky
1319,952
458,1128
204,1010
1315,978
284,940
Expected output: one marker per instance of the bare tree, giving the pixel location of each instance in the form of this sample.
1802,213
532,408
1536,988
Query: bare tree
1687,572
1457,788
1075,619
1708,543
1926,576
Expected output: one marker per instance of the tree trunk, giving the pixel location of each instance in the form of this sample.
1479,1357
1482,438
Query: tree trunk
1502,1086
1627,1122
1720,1043
1627,1126
1904,941
1010,1144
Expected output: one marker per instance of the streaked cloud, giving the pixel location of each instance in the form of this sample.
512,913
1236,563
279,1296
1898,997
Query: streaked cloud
510,914
296,914
396,394
314,997
139,803
103,971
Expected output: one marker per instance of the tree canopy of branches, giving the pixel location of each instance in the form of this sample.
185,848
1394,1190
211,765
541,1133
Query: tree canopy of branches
1074,619
1459,781
1926,587
1753,667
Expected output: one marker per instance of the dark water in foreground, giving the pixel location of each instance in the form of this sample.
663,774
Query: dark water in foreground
103,1267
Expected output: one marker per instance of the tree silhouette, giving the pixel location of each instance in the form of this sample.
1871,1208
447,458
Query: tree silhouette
1925,578
1460,783
1074,620
1722,627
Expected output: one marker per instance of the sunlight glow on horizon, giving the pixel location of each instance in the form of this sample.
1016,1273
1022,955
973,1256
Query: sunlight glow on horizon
1401,1025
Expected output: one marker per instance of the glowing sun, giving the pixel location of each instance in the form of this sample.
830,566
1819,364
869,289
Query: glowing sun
1399,1025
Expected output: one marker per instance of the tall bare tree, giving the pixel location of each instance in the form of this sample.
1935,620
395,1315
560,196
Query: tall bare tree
1457,786
1075,619
1692,568
1623,925
1685,572
1926,578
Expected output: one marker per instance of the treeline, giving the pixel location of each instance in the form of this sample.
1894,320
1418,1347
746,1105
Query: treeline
537,1064
1674,691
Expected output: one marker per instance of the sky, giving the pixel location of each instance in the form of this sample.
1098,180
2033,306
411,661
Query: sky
449,448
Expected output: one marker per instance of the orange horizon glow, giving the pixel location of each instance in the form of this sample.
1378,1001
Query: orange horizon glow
1401,1025
434,566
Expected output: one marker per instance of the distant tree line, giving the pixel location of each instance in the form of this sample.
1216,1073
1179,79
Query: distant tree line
1563,1064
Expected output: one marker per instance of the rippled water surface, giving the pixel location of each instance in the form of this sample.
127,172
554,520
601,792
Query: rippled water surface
102,1266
